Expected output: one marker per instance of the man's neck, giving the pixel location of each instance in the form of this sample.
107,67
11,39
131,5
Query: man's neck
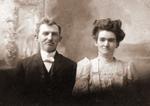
45,54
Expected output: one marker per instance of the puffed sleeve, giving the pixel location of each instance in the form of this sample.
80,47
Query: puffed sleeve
82,77
131,72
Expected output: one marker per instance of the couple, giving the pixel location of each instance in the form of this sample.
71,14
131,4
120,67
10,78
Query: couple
49,76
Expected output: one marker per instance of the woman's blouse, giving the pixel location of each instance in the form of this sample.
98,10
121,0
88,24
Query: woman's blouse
96,75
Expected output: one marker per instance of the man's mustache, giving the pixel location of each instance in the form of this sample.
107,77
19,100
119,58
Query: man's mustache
50,42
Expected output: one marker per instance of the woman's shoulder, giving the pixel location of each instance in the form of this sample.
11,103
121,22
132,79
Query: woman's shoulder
127,64
129,69
83,68
83,62
87,60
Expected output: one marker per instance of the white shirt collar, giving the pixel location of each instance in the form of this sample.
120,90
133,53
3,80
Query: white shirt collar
46,55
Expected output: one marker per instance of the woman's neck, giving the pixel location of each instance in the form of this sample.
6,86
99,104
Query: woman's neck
106,58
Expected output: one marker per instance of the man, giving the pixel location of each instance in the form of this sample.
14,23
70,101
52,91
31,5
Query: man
46,76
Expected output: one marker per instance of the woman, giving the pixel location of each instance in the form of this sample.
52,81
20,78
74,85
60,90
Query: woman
105,72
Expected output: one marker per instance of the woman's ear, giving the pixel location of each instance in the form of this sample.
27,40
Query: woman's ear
95,43
117,44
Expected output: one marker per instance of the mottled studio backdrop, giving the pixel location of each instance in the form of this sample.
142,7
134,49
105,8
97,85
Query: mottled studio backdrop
18,18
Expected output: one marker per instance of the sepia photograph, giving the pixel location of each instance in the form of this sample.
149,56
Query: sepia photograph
74,52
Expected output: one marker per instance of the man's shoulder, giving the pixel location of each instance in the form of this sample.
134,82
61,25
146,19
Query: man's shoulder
66,59
29,60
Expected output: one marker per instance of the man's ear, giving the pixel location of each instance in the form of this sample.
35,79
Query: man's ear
36,36
60,38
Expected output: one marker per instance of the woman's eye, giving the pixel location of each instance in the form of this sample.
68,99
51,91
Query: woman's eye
112,40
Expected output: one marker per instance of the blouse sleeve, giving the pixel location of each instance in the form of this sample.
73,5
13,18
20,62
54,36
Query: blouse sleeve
82,77
131,72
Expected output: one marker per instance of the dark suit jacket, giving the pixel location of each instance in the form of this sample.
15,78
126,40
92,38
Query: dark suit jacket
34,83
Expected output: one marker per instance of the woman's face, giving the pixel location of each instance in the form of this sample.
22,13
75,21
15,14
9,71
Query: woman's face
106,42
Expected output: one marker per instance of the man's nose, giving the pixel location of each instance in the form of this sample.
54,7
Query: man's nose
50,36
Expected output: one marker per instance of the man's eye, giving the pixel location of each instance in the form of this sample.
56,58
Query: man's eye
45,33
55,33
102,39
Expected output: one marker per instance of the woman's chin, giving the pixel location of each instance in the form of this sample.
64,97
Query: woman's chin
105,53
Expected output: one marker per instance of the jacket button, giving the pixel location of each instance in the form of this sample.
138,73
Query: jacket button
42,76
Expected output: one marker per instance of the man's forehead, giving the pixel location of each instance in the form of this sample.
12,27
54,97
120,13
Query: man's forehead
107,37
49,27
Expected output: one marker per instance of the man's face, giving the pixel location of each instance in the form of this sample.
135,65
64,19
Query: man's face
106,42
48,37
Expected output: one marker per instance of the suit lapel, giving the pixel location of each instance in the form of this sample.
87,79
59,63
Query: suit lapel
40,65
57,64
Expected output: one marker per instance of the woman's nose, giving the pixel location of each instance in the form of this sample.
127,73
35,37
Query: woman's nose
106,43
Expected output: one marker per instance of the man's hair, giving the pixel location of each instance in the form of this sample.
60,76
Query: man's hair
49,22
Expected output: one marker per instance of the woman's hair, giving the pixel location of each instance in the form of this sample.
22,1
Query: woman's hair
108,25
